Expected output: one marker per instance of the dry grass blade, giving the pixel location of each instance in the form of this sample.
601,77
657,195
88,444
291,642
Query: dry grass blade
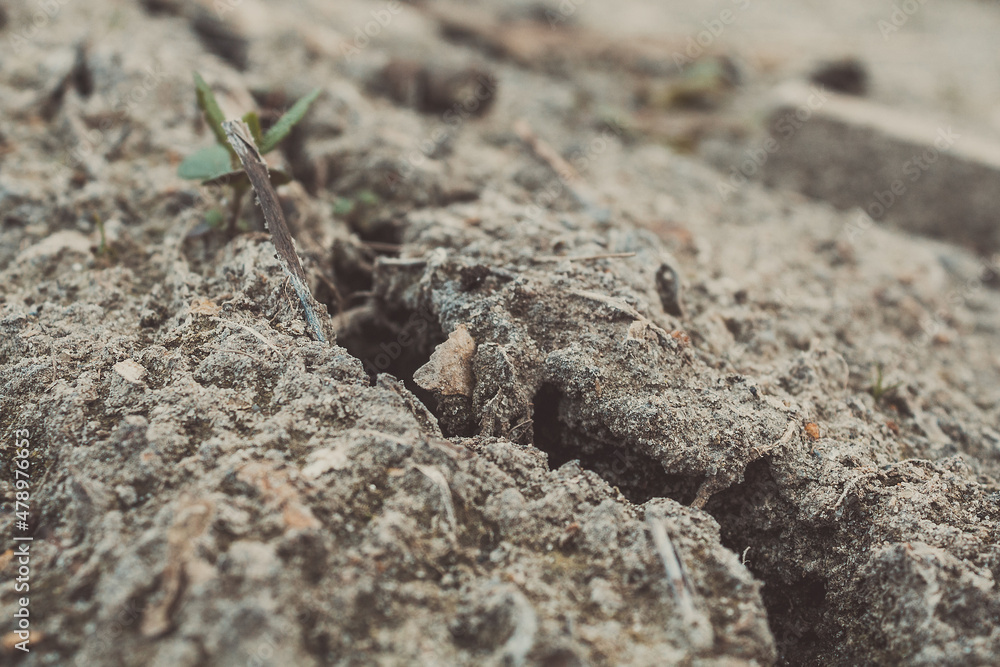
568,175
242,142
584,258
441,483
256,334
699,628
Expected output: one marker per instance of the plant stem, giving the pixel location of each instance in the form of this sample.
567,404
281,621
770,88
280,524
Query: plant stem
235,207
103,248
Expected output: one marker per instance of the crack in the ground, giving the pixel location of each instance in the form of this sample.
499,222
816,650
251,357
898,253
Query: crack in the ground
760,526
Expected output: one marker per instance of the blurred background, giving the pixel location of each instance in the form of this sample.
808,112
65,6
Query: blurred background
712,79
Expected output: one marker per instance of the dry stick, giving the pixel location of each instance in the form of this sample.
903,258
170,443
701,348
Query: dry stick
242,142
525,422
850,485
436,476
240,352
789,432
700,632
673,567
583,258
252,332
569,176
379,246
544,151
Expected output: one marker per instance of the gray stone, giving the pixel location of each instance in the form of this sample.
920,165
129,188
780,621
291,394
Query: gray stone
924,176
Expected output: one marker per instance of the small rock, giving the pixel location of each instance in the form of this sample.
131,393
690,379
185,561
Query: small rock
130,371
449,370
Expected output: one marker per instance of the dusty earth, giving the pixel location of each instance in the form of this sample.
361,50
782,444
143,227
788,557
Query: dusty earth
587,415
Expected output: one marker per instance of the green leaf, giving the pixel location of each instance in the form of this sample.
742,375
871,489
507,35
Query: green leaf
214,218
253,122
343,206
213,114
285,124
368,198
205,164
240,179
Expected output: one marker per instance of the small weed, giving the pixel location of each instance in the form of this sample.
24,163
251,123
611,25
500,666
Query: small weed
358,203
106,254
359,210
103,248
878,390
214,218
219,165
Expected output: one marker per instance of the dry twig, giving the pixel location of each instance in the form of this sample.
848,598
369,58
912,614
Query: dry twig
584,258
242,142
569,177
698,627
252,332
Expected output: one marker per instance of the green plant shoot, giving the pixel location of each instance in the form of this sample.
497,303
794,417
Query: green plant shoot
218,164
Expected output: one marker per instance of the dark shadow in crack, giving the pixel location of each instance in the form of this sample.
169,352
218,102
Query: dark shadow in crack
394,342
638,476
758,523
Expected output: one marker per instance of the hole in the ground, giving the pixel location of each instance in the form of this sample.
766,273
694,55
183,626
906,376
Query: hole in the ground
794,611
639,477
754,515
395,342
